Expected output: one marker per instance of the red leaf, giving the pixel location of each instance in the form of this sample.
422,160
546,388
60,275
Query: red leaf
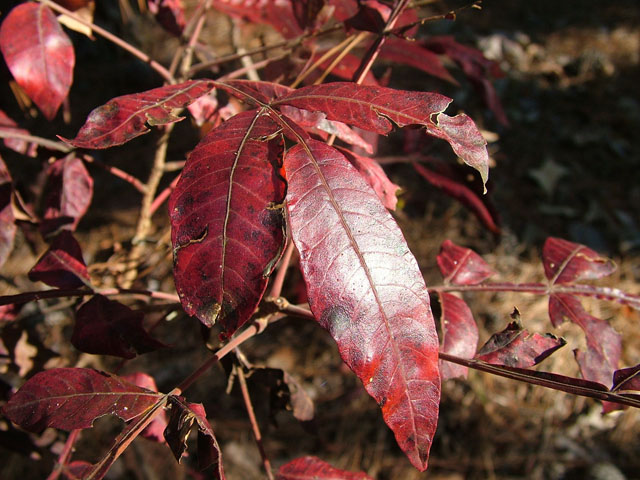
125,118
600,361
462,266
365,287
278,14
475,66
67,194
62,265
155,430
516,347
227,228
346,69
169,14
183,417
626,379
107,327
462,193
7,219
375,176
308,468
77,470
39,55
567,262
72,398
7,125
399,50
459,334
374,108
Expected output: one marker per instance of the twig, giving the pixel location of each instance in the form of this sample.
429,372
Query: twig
278,280
65,455
44,142
31,296
254,422
159,200
115,171
162,71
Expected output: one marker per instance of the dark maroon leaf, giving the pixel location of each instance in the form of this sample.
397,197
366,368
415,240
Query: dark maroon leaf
169,14
283,392
72,398
365,287
312,468
462,266
462,193
227,226
516,347
306,12
67,195
567,262
7,218
626,379
107,327
475,66
62,265
601,359
375,176
7,125
369,19
77,470
254,93
375,108
125,118
278,14
459,334
345,70
183,417
39,55
155,430
399,50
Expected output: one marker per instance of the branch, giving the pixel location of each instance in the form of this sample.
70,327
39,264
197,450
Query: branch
44,142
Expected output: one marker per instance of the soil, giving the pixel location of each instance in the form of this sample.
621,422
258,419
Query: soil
566,166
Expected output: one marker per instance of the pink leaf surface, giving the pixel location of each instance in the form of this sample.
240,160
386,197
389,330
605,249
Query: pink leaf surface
567,262
7,125
227,228
601,359
462,266
462,193
312,468
626,379
279,14
62,264
366,289
39,55
125,118
378,108
459,334
107,327
7,220
375,176
155,430
72,398
68,194
516,347
183,417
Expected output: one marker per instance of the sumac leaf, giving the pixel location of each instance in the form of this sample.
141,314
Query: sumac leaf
183,417
307,468
399,50
7,218
378,108
567,262
366,289
39,55
8,126
516,347
626,379
227,226
155,430
125,118
169,14
459,334
62,265
72,398
601,359
462,266
67,196
279,14
107,327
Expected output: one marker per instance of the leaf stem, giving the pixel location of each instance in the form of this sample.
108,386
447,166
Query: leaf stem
116,172
162,71
278,280
25,297
44,142
65,455
254,422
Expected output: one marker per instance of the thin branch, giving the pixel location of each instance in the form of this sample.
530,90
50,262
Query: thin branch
159,200
162,71
31,296
44,142
254,422
65,455
278,280
116,172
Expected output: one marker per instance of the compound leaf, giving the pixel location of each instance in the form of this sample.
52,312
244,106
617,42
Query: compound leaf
366,289
462,266
62,265
567,262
